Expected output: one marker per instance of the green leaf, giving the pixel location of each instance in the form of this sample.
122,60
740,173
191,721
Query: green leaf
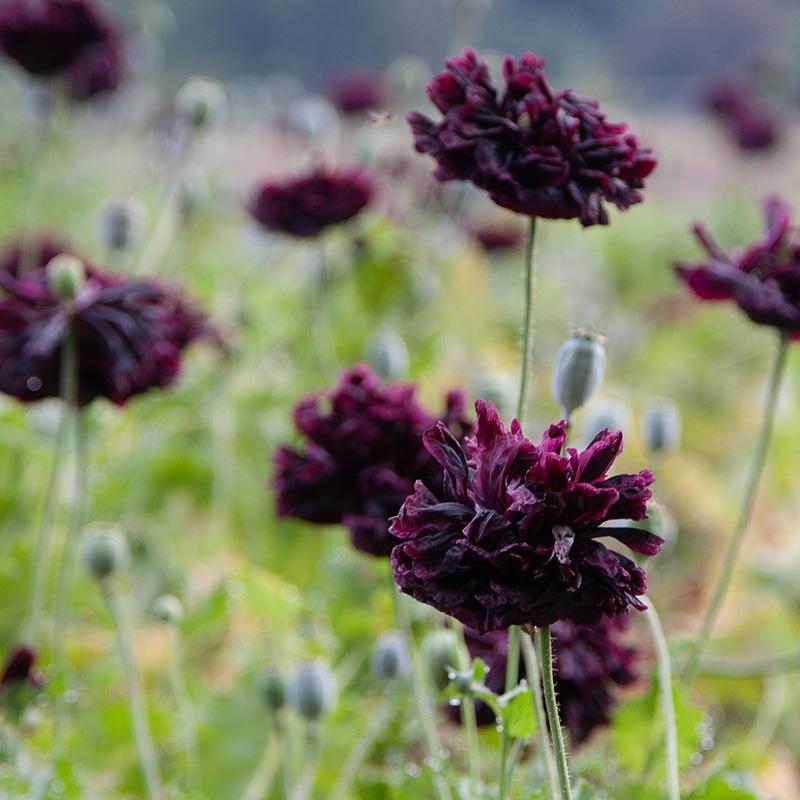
518,715
726,785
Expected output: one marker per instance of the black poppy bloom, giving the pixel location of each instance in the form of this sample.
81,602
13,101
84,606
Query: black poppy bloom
19,670
47,37
512,537
100,71
129,334
357,92
306,205
536,151
362,453
763,279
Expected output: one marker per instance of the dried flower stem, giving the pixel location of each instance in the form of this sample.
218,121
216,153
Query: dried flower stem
667,701
735,542
138,708
545,649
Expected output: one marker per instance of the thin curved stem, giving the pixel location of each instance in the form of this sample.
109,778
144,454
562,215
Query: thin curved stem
748,499
545,648
667,701
305,783
468,718
138,708
184,704
528,321
265,770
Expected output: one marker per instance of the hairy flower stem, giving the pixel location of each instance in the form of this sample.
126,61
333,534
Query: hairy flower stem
185,713
735,542
535,681
545,648
422,695
528,323
468,718
667,701
138,709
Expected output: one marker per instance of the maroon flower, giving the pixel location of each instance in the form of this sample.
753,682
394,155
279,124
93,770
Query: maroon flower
511,539
763,279
19,670
362,454
130,334
99,71
47,37
304,206
356,92
534,150
494,238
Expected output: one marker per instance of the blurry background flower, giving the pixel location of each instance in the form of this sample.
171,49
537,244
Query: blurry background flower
357,92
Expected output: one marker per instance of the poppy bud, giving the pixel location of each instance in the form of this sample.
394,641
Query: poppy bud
389,659
272,689
167,609
65,274
312,690
578,370
440,656
662,426
201,101
121,224
104,550
387,354
611,416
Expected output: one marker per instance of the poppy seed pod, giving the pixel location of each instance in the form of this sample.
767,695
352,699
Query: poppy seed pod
272,689
168,609
121,224
440,657
65,274
609,416
104,550
389,659
662,426
312,690
201,101
578,370
387,354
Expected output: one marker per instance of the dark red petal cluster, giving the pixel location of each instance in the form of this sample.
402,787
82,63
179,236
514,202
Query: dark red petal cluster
47,37
512,537
357,92
763,279
361,455
740,107
19,669
493,238
100,71
534,150
306,205
130,334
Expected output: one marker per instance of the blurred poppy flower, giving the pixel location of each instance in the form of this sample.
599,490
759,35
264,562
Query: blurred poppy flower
494,238
357,92
534,150
19,681
362,453
306,205
99,71
512,537
763,279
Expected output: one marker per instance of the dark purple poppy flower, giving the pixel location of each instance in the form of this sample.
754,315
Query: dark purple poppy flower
46,37
304,206
357,92
362,454
763,279
130,334
493,238
100,71
512,538
19,669
535,151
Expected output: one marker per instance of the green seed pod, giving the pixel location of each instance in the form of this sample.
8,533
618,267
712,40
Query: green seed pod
440,657
578,370
312,690
167,609
387,354
662,426
202,102
389,659
65,275
272,689
104,550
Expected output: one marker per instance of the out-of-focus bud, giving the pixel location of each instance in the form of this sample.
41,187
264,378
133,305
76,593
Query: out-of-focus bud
167,609
65,275
272,689
578,370
202,102
193,193
440,657
389,659
104,550
610,415
498,388
121,223
312,690
662,426
387,354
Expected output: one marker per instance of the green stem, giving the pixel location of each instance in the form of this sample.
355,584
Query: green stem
534,682
305,784
545,648
468,718
422,696
184,705
512,677
527,325
757,667
735,542
138,709
667,701
265,770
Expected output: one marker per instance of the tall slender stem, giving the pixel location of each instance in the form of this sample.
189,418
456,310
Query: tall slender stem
545,648
667,701
138,709
512,677
468,718
748,499
528,322
184,704
305,783
265,770
422,696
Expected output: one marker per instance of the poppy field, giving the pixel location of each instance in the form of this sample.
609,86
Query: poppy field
428,434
